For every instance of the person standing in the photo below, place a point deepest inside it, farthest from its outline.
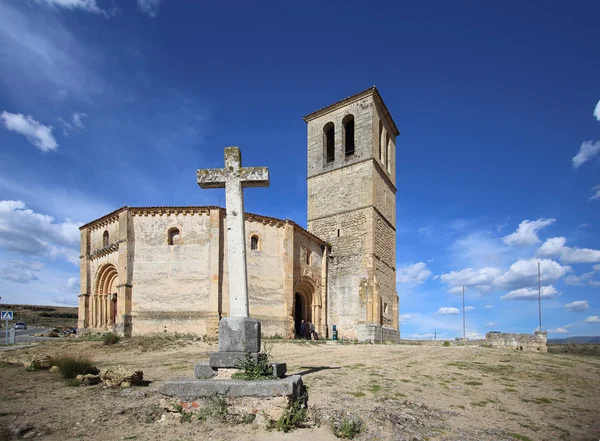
(302, 329)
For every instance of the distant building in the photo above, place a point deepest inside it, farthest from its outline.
(148, 270)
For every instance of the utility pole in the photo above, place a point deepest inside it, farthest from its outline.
(435, 335)
(464, 327)
(540, 295)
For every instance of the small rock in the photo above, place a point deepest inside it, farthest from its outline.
(29, 435)
(54, 369)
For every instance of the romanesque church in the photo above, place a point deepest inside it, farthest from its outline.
(147, 270)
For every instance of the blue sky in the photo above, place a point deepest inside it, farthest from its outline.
(106, 103)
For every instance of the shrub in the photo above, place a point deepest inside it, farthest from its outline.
(293, 416)
(255, 369)
(446, 343)
(348, 428)
(70, 366)
(110, 339)
(53, 334)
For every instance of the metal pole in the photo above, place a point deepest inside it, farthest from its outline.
(464, 328)
(540, 295)
(6, 325)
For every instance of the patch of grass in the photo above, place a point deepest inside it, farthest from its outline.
(404, 380)
(347, 428)
(473, 383)
(562, 391)
(520, 437)
(178, 368)
(375, 388)
(398, 394)
(479, 403)
(355, 366)
(540, 400)
(70, 366)
(356, 394)
(248, 418)
(446, 343)
(509, 390)
(110, 339)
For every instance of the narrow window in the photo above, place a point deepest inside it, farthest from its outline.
(338, 232)
(386, 309)
(380, 140)
(329, 141)
(348, 124)
(307, 257)
(174, 237)
(105, 239)
(388, 153)
(387, 143)
(254, 243)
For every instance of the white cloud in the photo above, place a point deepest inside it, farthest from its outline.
(490, 324)
(578, 280)
(405, 317)
(597, 111)
(594, 283)
(558, 331)
(597, 194)
(578, 306)
(587, 151)
(479, 249)
(593, 319)
(596, 267)
(416, 273)
(469, 308)
(547, 292)
(149, 7)
(556, 247)
(526, 233)
(522, 273)
(84, 5)
(37, 134)
(19, 271)
(488, 306)
(24, 231)
(448, 311)
(75, 124)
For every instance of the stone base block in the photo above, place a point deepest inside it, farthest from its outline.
(189, 390)
(228, 359)
(239, 334)
(203, 371)
(279, 369)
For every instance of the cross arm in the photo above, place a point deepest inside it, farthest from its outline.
(211, 178)
(254, 176)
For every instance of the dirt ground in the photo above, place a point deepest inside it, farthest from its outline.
(398, 392)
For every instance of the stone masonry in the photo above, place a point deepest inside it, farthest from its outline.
(352, 206)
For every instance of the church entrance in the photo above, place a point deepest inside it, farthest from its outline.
(301, 312)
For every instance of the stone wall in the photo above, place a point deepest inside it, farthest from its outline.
(171, 282)
(538, 342)
(375, 333)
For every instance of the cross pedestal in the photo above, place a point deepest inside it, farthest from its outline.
(238, 332)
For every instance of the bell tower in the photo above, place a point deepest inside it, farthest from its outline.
(352, 205)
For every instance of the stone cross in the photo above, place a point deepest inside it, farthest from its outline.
(234, 178)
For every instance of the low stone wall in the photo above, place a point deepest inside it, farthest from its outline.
(537, 342)
(444, 342)
(377, 334)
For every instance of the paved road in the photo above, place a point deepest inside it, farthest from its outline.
(25, 335)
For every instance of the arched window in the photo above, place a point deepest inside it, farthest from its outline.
(254, 243)
(105, 239)
(308, 257)
(380, 140)
(329, 142)
(348, 124)
(173, 236)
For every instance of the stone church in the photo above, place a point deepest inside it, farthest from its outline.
(147, 270)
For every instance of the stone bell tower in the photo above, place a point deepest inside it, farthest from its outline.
(352, 205)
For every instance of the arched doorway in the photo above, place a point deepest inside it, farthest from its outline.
(307, 304)
(302, 311)
(103, 307)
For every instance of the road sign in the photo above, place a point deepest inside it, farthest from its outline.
(6, 315)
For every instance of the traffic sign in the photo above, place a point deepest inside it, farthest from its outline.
(6, 315)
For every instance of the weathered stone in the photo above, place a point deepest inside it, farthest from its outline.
(42, 362)
(115, 377)
(89, 379)
(54, 369)
(228, 359)
(190, 390)
(234, 178)
(239, 334)
(203, 371)
(279, 369)
(520, 342)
